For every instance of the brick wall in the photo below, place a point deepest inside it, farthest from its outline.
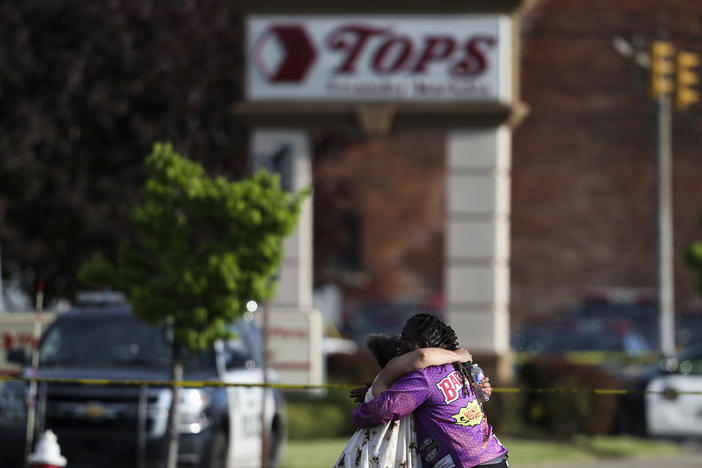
(583, 161)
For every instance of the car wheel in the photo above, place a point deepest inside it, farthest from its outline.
(217, 456)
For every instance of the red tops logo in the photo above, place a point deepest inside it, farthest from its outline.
(385, 51)
(298, 53)
(450, 387)
(396, 52)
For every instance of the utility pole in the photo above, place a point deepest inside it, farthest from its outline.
(265, 442)
(2, 293)
(662, 85)
(663, 70)
(32, 396)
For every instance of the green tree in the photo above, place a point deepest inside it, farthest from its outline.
(202, 247)
(693, 258)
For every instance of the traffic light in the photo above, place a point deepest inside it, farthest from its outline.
(661, 68)
(686, 78)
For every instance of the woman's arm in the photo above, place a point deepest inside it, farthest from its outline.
(415, 360)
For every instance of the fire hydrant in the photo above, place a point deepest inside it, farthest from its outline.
(47, 453)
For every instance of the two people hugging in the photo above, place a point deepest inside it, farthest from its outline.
(422, 409)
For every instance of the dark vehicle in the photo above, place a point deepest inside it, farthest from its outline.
(610, 347)
(125, 425)
(555, 341)
(642, 318)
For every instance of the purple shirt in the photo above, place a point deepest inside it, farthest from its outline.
(451, 426)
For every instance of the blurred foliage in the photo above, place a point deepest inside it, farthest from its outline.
(311, 417)
(693, 258)
(203, 247)
(85, 90)
(502, 411)
(575, 409)
(356, 368)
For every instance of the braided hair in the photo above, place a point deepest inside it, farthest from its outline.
(425, 330)
(428, 331)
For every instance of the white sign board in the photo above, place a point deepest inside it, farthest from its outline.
(295, 345)
(379, 58)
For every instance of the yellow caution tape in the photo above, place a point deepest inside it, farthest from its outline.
(213, 383)
(171, 383)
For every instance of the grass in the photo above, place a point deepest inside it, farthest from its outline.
(544, 452)
(322, 453)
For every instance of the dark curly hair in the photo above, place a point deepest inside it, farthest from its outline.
(428, 331)
(383, 347)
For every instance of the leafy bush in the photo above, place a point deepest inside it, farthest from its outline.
(502, 411)
(355, 369)
(572, 406)
(311, 417)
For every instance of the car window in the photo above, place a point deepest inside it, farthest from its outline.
(103, 341)
(236, 355)
(112, 341)
(244, 350)
(253, 339)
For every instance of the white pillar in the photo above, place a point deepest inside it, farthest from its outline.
(476, 267)
(288, 152)
(295, 328)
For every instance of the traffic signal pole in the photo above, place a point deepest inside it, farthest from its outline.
(664, 224)
(662, 87)
(670, 73)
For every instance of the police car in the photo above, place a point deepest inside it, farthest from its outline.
(673, 400)
(126, 425)
(664, 399)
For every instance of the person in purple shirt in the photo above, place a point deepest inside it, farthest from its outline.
(452, 429)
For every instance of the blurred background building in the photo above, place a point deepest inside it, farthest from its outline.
(86, 89)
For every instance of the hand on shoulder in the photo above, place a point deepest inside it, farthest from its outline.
(463, 355)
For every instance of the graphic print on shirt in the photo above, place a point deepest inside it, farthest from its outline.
(450, 387)
(429, 449)
(470, 415)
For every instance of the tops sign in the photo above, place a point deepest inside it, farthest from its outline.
(379, 58)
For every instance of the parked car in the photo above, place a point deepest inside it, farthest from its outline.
(670, 412)
(641, 317)
(657, 405)
(603, 345)
(556, 341)
(125, 425)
